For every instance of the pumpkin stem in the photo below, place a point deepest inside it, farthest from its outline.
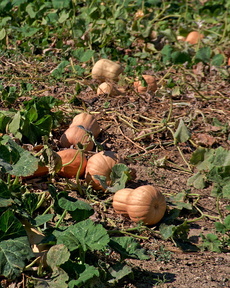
(78, 173)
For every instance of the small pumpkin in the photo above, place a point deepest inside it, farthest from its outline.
(107, 88)
(71, 170)
(151, 84)
(194, 37)
(75, 134)
(100, 164)
(180, 38)
(106, 69)
(145, 203)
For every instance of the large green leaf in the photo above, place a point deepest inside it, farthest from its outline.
(13, 255)
(203, 54)
(86, 272)
(26, 165)
(78, 209)
(85, 235)
(10, 226)
(119, 271)
(127, 247)
(57, 255)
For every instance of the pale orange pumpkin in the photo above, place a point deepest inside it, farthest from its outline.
(151, 84)
(88, 121)
(100, 164)
(75, 134)
(194, 37)
(120, 201)
(145, 203)
(105, 69)
(107, 88)
(71, 170)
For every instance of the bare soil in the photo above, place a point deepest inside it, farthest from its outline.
(169, 265)
(127, 117)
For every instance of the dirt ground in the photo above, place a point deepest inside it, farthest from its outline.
(124, 119)
(169, 266)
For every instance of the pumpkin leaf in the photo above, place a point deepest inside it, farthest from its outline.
(13, 255)
(57, 255)
(127, 247)
(85, 272)
(10, 226)
(79, 210)
(119, 271)
(85, 235)
(120, 175)
(182, 133)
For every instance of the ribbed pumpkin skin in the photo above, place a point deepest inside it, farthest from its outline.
(71, 170)
(88, 121)
(106, 69)
(75, 134)
(100, 164)
(120, 201)
(146, 204)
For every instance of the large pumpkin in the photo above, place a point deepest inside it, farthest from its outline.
(71, 170)
(75, 134)
(105, 69)
(100, 164)
(145, 203)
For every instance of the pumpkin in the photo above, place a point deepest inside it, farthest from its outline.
(71, 170)
(151, 84)
(194, 37)
(41, 171)
(120, 200)
(106, 69)
(75, 134)
(107, 88)
(180, 38)
(88, 121)
(145, 203)
(100, 164)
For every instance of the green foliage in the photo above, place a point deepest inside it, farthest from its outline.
(127, 247)
(72, 35)
(213, 167)
(15, 160)
(35, 120)
(119, 176)
(13, 259)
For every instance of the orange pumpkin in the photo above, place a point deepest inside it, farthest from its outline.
(41, 171)
(194, 37)
(71, 170)
(105, 69)
(145, 203)
(100, 164)
(151, 84)
(120, 201)
(75, 134)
